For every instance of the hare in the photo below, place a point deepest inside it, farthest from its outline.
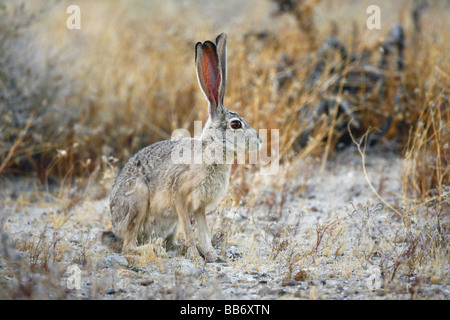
(155, 192)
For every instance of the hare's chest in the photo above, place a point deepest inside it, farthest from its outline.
(211, 188)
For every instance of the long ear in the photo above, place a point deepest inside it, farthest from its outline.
(221, 43)
(208, 73)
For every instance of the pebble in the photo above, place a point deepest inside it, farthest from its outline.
(111, 291)
(190, 270)
(114, 260)
(289, 283)
(233, 253)
(146, 283)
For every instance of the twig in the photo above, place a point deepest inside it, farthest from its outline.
(16, 144)
(362, 152)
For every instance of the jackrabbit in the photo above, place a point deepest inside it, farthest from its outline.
(156, 190)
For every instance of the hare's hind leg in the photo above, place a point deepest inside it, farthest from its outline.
(130, 213)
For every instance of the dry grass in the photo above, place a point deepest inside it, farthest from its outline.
(76, 104)
(119, 84)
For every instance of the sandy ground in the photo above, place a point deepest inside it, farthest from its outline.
(301, 234)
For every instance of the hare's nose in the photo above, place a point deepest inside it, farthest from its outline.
(261, 140)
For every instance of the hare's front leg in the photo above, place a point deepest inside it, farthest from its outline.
(185, 221)
(205, 246)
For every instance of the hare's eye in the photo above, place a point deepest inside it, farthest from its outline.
(236, 124)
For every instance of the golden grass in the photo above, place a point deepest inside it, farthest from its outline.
(88, 99)
(129, 80)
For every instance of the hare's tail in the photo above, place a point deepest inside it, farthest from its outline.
(112, 241)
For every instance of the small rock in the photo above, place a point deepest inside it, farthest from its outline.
(300, 276)
(233, 253)
(134, 268)
(223, 277)
(190, 270)
(114, 260)
(265, 291)
(289, 283)
(111, 291)
(146, 283)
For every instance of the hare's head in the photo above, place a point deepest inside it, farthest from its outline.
(231, 129)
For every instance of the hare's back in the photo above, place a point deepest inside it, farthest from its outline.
(149, 164)
(151, 158)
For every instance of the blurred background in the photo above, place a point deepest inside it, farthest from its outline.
(73, 101)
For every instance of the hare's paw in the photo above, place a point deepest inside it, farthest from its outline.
(193, 255)
(211, 256)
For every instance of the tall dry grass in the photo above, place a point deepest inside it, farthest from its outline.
(76, 103)
(72, 98)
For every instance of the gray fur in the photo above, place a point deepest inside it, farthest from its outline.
(152, 194)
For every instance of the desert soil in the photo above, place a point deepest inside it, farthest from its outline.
(306, 233)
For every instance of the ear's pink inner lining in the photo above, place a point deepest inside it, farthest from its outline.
(211, 74)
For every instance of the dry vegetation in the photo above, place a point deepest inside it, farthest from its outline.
(76, 104)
